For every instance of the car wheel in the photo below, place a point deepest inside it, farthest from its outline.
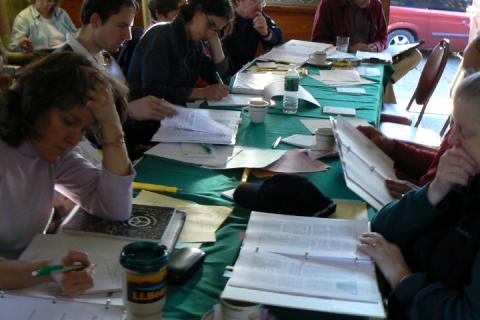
(401, 36)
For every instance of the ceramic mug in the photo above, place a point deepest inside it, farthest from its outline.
(324, 139)
(256, 110)
(240, 310)
(318, 57)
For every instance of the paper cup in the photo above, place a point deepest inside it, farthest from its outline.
(240, 310)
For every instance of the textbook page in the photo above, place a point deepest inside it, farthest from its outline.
(276, 89)
(199, 126)
(104, 253)
(29, 308)
(315, 237)
(199, 120)
(306, 259)
(306, 277)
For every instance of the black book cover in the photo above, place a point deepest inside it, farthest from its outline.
(154, 223)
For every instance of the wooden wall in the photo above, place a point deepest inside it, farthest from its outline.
(73, 8)
(295, 20)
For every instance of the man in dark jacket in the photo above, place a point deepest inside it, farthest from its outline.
(364, 22)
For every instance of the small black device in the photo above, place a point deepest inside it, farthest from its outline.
(183, 263)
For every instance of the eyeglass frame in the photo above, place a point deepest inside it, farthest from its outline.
(212, 26)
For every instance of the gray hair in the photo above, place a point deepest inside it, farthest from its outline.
(468, 91)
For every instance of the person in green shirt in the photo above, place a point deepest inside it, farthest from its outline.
(427, 244)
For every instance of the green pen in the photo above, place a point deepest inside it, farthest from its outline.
(207, 148)
(218, 78)
(56, 268)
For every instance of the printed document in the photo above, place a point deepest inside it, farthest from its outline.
(308, 258)
(199, 126)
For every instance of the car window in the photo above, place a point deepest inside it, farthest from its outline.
(451, 5)
(448, 5)
(412, 3)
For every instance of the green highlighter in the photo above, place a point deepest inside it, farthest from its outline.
(218, 78)
(56, 268)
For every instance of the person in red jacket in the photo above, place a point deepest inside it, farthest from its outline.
(364, 22)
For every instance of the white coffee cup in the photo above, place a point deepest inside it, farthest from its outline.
(318, 57)
(324, 139)
(240, 310)
(256, 110)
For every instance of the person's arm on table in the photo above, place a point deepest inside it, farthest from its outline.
(17, 274)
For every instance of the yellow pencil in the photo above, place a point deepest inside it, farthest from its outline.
(246, 173)
(153, 187)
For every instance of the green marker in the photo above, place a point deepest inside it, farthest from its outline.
(56, 268)
(218, 78)
(207, 148)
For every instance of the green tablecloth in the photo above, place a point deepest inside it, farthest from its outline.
(204, 186)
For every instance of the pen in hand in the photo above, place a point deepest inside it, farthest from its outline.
(57, 268)
(218, 78)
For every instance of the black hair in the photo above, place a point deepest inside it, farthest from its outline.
(164, 7)
(219, 8)
(60, 80)
(104, 8)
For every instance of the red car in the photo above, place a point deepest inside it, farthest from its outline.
(430, 21)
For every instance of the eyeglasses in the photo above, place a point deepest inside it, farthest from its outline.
(262, 3)
(212, 26)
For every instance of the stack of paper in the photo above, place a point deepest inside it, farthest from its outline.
(220, 157)
(337, 78)
(199, 126)
(294, 51)
(202, 221)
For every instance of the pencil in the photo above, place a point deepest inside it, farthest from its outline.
(246, 173)
(153, 187)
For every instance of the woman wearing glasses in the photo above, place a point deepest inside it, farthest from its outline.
(170, 59)
(252, 26)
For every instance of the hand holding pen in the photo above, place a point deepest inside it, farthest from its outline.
(74, 276)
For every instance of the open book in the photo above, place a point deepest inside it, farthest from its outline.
(365, 166)
(389, 55)
(199, 126)
(268, 85)
(306, 263)
(146, 223)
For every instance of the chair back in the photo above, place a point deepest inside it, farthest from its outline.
(431, 74)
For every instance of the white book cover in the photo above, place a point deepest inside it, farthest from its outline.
(365, 166)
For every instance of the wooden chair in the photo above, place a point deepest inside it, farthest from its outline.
(431, 73)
